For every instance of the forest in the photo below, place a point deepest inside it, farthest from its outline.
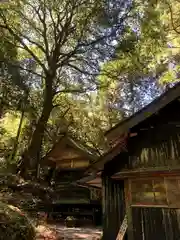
(78, 68)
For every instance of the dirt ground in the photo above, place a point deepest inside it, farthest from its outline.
(55, 232)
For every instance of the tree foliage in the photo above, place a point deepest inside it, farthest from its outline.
(81, 66)
(61, 43)
(146, 56)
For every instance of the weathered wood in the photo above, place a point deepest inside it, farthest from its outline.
(128, 209)
(113, 207)
(67, 153)
(157, 148)
(122, 229)
(156, 223)
(154, 150)
(148, 172)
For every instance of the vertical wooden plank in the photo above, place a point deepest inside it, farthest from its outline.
(106, 203)
(149, 223)
(109, 214)
(108, 209)
(118, 201)
(113, 209)
(137, 223)
(103, 205)
(116, 206)
(127, 190)
(112, 213)
(174, 223)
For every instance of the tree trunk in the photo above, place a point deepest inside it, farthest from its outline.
(1, 109)
(31, 157)
(14, 152)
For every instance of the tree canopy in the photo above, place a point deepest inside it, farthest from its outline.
(80, 67)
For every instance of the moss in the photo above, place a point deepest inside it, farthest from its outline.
(14, 225)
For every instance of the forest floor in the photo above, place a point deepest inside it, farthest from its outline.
(25, 196)
(58, 232)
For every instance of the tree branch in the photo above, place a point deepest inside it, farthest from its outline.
(54, 25)
(30, 22)
(81, 90)
(63, 34)
(82, 71)
(113, 32)
(20, 67)
(71, 91)
(44, 31)
(31, 41)
(49, 135)
(18, 38)
(172, 20)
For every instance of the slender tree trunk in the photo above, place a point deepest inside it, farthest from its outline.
(1, 109)
(30, 158)
(17, 136)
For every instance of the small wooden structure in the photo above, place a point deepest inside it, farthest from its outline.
(70, 154)
(68, 160)
(141, 173)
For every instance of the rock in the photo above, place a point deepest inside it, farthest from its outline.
(14, 225)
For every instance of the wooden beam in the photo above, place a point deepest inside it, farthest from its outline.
(64, 159)
(95, 185)
(157, 171)
(128, 209)
(95, 182)
(88, 186)
(122, 229)
(99, 165)
(133, 134)
(87, 178)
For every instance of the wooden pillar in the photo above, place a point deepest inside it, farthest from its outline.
(128, 211)
(104, 207)
(113, 206)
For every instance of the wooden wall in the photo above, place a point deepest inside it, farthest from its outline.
(156, 144)
(65, 190)
(153, 148)
(113, 207)
(156, 223)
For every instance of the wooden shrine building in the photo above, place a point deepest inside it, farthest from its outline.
(67, 161)
(140, 174)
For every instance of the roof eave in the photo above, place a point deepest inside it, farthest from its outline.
(144, 113)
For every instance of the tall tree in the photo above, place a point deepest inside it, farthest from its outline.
(63, 40)
(133, 71)
(150, 49)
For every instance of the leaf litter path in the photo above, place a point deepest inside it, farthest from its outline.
(56, 232)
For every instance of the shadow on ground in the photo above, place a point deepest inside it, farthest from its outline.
(80, 233)
(62, 233)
